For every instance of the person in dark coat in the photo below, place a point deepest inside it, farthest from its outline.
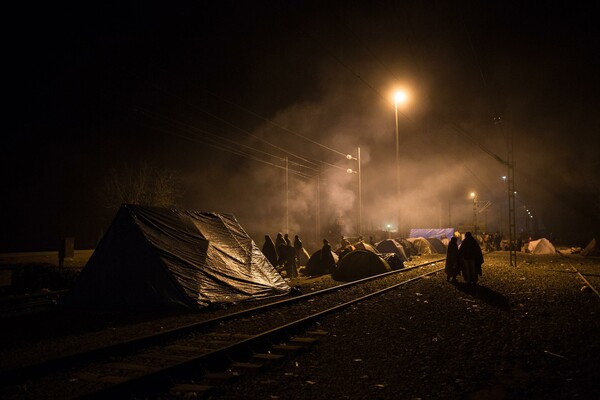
(297, 248)
(452, 267)
(288, 257)
(327, 259)
(471, 258)
(269, 250)
(280, 247)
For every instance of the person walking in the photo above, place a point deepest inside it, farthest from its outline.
(452, 267)
(471, 257)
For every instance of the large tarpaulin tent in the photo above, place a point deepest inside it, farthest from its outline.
(427, 233)
(157, 257)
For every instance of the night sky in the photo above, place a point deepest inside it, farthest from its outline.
(220, 92)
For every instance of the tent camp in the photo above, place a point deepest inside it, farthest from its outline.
(359, 264)
(592, 249)
(541, 246)
(157, 257)
(422, 246)
(392, 246)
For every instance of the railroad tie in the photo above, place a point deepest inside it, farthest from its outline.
(218, 378)
(247, 367)
(287, 347)
(130, 367)
(88, 376)
(303, 340)
(190, 388)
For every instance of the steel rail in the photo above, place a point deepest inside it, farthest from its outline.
(587, 282)
(162, 380)
(38, 369)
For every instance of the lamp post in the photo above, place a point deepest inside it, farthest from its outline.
(351, 171)
(400, 97)
(474, 196)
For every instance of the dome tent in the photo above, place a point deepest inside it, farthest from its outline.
(392, 246)
(437, 245)
(359, 264)
(365, 246)
(422, 246)
(541, 246)
(316, 266)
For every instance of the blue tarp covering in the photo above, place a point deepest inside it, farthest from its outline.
(439, 233)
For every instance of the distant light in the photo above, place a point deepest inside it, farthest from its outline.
(473, 194)
(504, 177)
(389, 226)
(350, 170)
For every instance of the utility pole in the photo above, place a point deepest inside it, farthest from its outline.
(510, 164)
(287, 197)
(318, 209)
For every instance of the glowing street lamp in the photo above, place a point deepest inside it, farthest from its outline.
(400, 97)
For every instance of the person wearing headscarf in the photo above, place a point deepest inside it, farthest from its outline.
(280, 247)
(327, 259)
(269, 250)
(297, 248)
(452, 267)
(471, 257)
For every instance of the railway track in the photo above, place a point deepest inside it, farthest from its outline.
(197, 358)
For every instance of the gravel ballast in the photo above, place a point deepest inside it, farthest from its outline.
(527, 332)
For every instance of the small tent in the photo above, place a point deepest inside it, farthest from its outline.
(317, 265)
(157, 257)
(541, 246)
(392, 246)
(437, 245)
(422, 246)
(303, 257)
(592, 249)
(359, 264)
(365, 246)
(409, 249)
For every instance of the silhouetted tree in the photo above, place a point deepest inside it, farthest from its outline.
(142, 185)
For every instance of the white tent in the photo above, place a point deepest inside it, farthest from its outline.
(541, 246)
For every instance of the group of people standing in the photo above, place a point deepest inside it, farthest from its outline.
(284, 254)
(465, 260)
